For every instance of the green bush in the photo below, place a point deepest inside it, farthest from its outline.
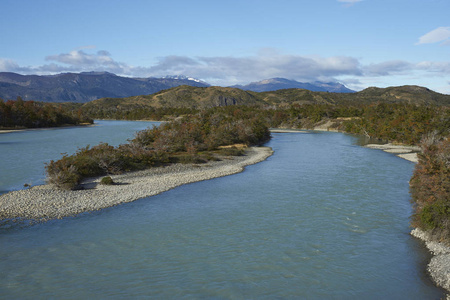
(107, 180)
(232, 151)
(66, 178)
(186, 158)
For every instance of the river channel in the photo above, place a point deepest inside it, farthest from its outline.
(323, 218)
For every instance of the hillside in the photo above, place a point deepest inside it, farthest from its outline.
(401, 94)
(83, 87)
(180, 97)
(408, 93)
(205, 97)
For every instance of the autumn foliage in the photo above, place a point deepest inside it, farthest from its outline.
(184, 140)
(31, 114)
(430, 187)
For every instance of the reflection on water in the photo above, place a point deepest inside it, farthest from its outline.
(320, 219)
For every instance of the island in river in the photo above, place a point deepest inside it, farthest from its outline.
(46, 202)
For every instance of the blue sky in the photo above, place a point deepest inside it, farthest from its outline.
(360, 43)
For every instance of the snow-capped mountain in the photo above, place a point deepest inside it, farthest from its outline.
(183, 77)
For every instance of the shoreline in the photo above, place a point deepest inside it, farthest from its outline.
(45, 202)
(439, 266)
(45, 128)
(403, 151)
(406, 152)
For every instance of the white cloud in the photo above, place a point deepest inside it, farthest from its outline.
(80, 58)
(400, 67)
(437, 67)
(8, 65)
(227, 70)
(218, 70)
(387, 68)
(246, 69)
(441, 34)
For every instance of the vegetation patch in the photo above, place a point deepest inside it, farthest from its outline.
(31, 114)
(107, 180)
(430, 188)
(184, 140)
(231, 151)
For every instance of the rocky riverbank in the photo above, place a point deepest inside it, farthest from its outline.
(405, 152)
(439, 266)
(45, 202)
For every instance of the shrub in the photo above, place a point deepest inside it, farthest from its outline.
(107, 180)
(231, 151)
(430, 187)
(185, 158)
(66, 178)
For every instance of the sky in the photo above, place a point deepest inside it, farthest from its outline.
(359, 43)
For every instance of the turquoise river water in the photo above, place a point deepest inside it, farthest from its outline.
(323, 218)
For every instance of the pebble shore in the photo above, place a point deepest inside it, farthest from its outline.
(405, 152)
(45, 202)
(439, 266)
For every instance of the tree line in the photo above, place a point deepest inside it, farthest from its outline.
(395, 122)
(31, 114)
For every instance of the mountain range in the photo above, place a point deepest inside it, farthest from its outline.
(88, 86)
(84, 87)
(275, 84)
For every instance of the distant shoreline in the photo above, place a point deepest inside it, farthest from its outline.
(45, 202)
(44, 128)
(403, 151)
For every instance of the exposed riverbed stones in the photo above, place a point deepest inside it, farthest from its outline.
(45, 202)
(439, 266)
(405, 152)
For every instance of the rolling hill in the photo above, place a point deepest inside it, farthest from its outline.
(206, 97)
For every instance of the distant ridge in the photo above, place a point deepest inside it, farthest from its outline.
(214, 96)
(183, 91)
(274, 84)
(84, 87)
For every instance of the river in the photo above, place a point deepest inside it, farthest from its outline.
(323, 218)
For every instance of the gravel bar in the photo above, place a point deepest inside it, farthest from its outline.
(439, 266)
(403, 151)
(45, 202)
